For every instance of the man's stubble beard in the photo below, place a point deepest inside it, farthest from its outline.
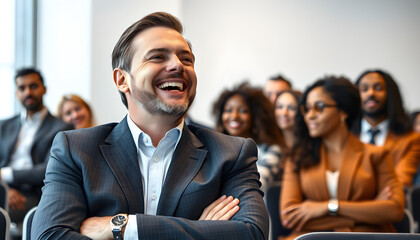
(154, 105)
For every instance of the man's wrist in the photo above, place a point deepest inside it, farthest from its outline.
(118, 224)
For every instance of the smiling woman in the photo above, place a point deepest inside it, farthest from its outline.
(334, 182)
(246, 112)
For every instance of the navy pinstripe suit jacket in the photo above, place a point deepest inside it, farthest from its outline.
(95, 172)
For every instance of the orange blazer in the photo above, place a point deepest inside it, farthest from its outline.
(364, 171)
(405, 152)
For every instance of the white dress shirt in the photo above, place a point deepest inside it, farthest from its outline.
(380, 138)
(154, 164)
(21, 157)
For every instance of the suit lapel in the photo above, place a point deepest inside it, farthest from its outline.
(45, 128)
(350, 163)
(320, 174)
(185, 164)
(12, 131)
(121, 155)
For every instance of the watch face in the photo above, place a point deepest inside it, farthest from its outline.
(119, 220)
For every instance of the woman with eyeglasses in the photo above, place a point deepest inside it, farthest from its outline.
(334, 182)
(246, 112)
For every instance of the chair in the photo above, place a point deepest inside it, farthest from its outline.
(414, 204)
(4, 189)
(407, 224)
(357, 236)
(4, 225)
(273, 202)
(27, 224)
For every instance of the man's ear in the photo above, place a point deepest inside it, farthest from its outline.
(121, 79)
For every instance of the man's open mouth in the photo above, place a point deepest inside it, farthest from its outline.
(172, 86)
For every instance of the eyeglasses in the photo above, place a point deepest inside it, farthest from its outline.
(318, 107)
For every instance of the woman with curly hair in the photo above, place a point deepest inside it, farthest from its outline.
(334, 182)
(246, 112)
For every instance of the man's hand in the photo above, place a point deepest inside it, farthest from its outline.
(297, 215)
(16, 199)
(221, 209)
(97, 228)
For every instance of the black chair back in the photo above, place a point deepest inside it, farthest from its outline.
(407, 224)
(357, 236)
(4, 225)
(27, 224)
(4, 189)
(414, 200)
(273, 206)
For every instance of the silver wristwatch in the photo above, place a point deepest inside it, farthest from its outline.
(118, 223)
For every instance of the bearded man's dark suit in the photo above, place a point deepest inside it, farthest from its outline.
(95, 172)
(29, 179)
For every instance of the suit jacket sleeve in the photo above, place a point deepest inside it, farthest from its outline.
(251, 222)
(378, 211)
(63, 205)
(408, 158)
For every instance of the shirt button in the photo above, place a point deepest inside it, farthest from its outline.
(154, 196)
(156, 159)
(145, 140)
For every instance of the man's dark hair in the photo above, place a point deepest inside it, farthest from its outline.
(280, 77)
(26, 71)
(123, 51)
(399, 121)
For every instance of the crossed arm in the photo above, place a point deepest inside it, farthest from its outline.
(221, 209)
(299, 214)
(64, 206)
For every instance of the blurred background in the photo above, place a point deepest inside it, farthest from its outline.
(71, 42)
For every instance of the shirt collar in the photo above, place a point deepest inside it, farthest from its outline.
(383, 126)
(36, 117)
(136, 131)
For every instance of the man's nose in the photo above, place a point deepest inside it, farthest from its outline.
(175, 64)
(371, 91)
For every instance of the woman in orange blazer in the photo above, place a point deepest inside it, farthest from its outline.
(334, 182)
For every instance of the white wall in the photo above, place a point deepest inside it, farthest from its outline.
(64, 48)
(238, 39)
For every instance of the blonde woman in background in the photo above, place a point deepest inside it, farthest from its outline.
(73, 109)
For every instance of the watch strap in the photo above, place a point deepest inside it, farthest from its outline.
(117, 234)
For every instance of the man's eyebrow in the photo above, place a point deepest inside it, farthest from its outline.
(166, 50)
(157, 50)
(187, 52)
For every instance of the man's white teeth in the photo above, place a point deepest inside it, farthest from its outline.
(178, 85)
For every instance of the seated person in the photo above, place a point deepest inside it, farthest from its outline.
(333, 181)
(25, 141)
(74, 110)
(246, 112)
(385, 123)
(286, 108)
(150, 176)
